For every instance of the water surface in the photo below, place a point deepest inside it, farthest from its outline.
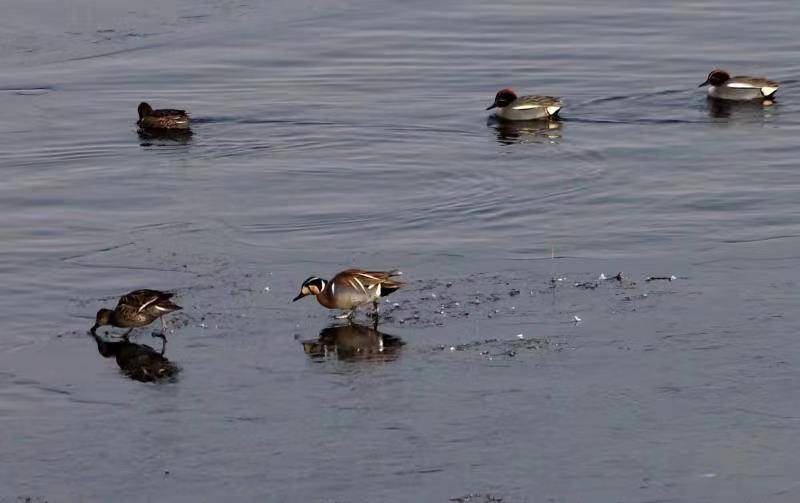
(330, 135)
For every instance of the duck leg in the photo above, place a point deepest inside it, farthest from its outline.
(163, 334)
(375, 313)
(163, 342)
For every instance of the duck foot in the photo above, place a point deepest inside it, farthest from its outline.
(163, 338)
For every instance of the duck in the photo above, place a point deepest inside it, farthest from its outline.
(351, 288)
(525, 108)
(137, 309)
(162, 119)
(740, 88)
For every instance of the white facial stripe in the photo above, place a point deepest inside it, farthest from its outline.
(162, 308)
(333, 288)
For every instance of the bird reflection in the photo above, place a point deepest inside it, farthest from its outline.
(140, 362)
(164, 137)
(354, 342)
(510, 132)
(740, 110)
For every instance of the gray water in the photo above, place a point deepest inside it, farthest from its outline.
(337, 134)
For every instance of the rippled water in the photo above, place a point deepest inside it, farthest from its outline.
(328, 135)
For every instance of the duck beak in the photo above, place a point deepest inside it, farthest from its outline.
(492, 106)
(298, 297)
(703, 84)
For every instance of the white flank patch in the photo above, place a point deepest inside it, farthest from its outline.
(740, 85)
(526, 107)
(766, 91)
(553, 110)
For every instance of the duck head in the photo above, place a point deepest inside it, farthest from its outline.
(311, 286)
(503, 98)
(717, 77)
(144, 110)
(104, 317)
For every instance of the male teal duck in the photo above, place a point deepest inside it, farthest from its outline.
(351, 288)
(740, 88)
(137, 309)
(525, 108)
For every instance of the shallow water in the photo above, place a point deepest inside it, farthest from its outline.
(353, 134)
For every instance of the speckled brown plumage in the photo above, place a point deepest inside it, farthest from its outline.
(137, 309)
(162, 119)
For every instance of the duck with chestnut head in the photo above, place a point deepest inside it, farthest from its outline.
(525, 108)
(740, 88)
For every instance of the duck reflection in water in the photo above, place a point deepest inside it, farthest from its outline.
(164, 137)
(354, 342)
(140, 362)
(740, 110)
(535, 131)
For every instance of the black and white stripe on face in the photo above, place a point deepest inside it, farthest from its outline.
(313, 285)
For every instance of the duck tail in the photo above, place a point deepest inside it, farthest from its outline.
(168, 305)
(388, 287)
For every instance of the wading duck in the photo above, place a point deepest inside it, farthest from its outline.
(351, 288)
(137, 309)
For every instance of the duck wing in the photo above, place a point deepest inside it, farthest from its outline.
(528, 102)
(745, 82)
(168, 112)
(140, 299)
(362, 280)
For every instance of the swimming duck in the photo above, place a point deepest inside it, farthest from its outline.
(351, 288)
(162, 119)
(741, 88)
(137, 309)
(524, 108)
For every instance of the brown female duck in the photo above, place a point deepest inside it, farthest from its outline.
(163, 119)
(137, 309)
